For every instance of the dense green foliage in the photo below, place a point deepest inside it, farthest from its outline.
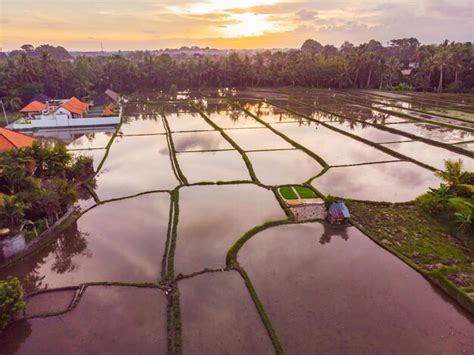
(452, 203)
(39, 183)
(305, 192)
(47, 69)
(11, 300)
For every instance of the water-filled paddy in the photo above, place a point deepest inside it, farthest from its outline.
(107, 320)
(435, 133)
(257, 139)
(391, 182)
(431, 155)
(117, 241)
(135, 165)
(370, 133)
(333, 147)
(143, 125)
(234, 119)
(332, 290)
(218, 316)
(325, 289)
(191, 141)
(212, 218)
(284, 167)
(94, 140)
(187, 122)
(213, 166)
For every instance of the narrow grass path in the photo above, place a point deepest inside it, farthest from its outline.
(295, 144)
(360, 139)
(246, 159)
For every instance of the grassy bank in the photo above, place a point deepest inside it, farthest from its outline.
(422, 243)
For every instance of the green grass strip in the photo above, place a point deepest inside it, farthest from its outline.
(174, 236)
(109, 144)
(288, 193)
(383, 128)
(360, 139)
(262, 313)
(246, 159)
(174, 160)
(305, 192)
(295, 144)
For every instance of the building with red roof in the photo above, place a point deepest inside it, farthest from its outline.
(34, 107)
(14, 140)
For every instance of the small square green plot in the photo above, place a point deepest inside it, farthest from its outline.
(288, 193)
(305, 192)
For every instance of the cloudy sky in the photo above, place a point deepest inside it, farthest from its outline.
(154, 24)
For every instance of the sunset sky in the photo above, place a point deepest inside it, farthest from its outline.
(155, 24)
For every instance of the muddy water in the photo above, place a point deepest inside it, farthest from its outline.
(370, 133)
(391, 182)
(219, 317)
(332, 146)
(108, 320)
(257, 139)
(435, 133)
(213, 166)
(134, 165)
(332, 290)
(199, 141)
(117, 241)
(212, 218)
(187, 122)
(431, 155)
(284, 167)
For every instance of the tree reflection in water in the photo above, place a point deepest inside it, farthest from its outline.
(59, 254)
(333, 230)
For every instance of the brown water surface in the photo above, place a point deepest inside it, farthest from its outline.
(108, 320)
(219, 317)
(332, 290)
(212, 218)
(117, 241)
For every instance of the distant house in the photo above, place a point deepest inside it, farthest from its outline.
(414, 65)
(105, 98)
(72, 108)
(14, 140)
(34, 108)
(406, 72)
(338, 213)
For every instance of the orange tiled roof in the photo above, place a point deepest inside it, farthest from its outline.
(75, 105)
(14, 140)
(107, 111)
(34, 106)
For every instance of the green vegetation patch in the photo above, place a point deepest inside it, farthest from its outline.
(412, 233)
(422, 242)
(305, 192)
(288, 193)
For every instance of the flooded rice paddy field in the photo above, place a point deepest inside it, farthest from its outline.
(148, 258)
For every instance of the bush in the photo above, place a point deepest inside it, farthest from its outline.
(463, 190)
(81, 169)
(329, 200)
(433, 205)
(11, 300)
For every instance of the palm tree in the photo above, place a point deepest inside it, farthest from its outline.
(393, 68)
(12, 100)
(452, 173)
(442, 59)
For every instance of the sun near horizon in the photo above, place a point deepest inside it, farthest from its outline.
(147, 24)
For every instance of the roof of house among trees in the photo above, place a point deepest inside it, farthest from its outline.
(14, 140)
(42, 98)
(34, 106)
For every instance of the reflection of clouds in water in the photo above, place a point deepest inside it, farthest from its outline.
(198, 142)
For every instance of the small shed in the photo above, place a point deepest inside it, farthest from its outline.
(338, 213)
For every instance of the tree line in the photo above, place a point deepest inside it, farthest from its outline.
(401, 64)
